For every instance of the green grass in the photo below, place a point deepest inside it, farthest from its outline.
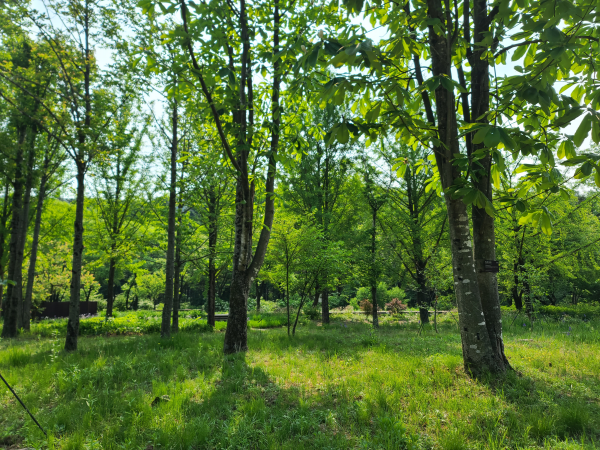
(330, 387)
(145, 322)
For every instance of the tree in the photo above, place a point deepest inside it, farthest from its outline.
(258, 35)
(119, 179)
(414, 220)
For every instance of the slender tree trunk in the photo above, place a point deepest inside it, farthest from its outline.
(177, 285)
(23, 315)
(258, 294)
(213, 231)
(168, 306)
(422, 294)
(287, 294)
(111, 285)
(3, 234)
(34, 247)
(374, 268)
(325, 306)
(317, 295)
(75, 289)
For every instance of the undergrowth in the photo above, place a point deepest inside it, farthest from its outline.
(339, 386)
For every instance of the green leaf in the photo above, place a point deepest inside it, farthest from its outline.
(568, 117)
(596, 130)
(470, 196)
(495, 176)
(519, 52)
(492, 138)
(546, 224)
(343, 135)
(583, 130)
(597, 176)
(521, 206)
(480, 135)
(311, 61)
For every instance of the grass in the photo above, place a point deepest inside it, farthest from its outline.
(145, 322)
(330, 387)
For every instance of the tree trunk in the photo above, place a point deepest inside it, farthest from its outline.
(325, 306)
(374, 270)
(165, 330)
(484, 236)
(24, 315)
(177, 286)
(4, 220)
(317, 295)
(375, 312)
(75, 289)
(258, 294)
(111, 286)
(34, 247)
(213, 231)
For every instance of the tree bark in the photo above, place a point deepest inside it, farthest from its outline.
(75, 289)
(374, 268)
(484, 236)
(165, 331)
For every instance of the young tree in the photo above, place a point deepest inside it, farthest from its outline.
(119, 179)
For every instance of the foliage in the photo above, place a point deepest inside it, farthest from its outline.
(395, 306)
(366, 306)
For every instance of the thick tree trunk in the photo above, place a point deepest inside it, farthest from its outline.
(75, 289)
(165, 330)
(34, 249)
(484, 236)
(111, 287)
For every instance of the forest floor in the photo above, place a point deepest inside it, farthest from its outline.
(339, 386)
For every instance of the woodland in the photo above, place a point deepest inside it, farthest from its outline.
(305, 224)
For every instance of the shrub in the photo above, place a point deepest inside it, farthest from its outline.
(395, 306)
(366, 306)
(312, 312)
(354, 304)
(145, 304)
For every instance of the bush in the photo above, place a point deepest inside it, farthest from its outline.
(395, 306)
(145, 305)
(584, 312)
(366, 306)
(312, 312)
(354, 304)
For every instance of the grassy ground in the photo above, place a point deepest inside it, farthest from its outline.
(336, 387)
